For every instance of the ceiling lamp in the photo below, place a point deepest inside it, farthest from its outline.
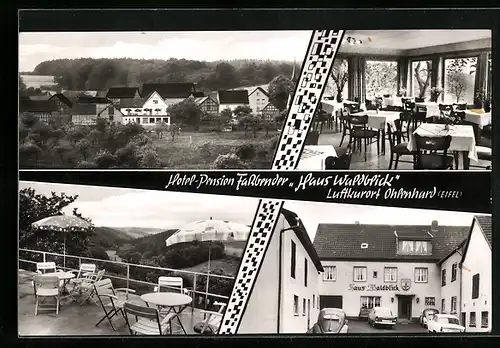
(353, 41)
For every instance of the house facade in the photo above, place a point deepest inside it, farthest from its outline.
(258, 99)
(451, 281)
(285, 297)
(396, 267)
(207, 105)
(45, 111)
(232, 99)
(172, 93)
(270, 112)
(62, 102)
(476, 265)
(145, 111)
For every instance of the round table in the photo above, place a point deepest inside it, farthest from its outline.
(173, 301)
(64, 277)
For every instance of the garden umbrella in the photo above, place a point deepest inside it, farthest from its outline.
(64, 224)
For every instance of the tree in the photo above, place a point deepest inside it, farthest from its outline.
(381, 77)
(105, 159)
(33, 207)
(22, 86)
(422, 73)
(246, 152)
(340, 75)
(456, 78)
(30, 150)
(279, 91)
(225, 76)
(84, 146)
(226, 117)
(60, 150)
(228, 161)
(186, 113)
(250, 122)
(242, 110)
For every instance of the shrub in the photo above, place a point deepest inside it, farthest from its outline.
(246, 152)
(228, 161)
(105, 159)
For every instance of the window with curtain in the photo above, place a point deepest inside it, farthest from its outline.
(421, 78)
(390, 274)
(459, 80)
(330, 273)
(381, 78)
(360, 274)
(421, 274)
(368, 302)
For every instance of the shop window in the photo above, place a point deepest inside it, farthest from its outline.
(472, 319)
(359, 274)
(430, 301)
(295, 305)
(368, 302)
(475, 286)
(484, 320)
(330, 273)
(144, 120)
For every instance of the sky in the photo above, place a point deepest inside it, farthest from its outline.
(114, 207)
(35, 48)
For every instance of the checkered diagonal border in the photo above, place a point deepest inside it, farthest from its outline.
(321, 52)
(313, 78)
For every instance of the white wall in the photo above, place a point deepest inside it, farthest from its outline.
(230, 106)
(172, 101)
(258, 100)
(477, 260)
(406, 270)
(451, 288)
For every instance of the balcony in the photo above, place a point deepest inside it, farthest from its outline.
(75, 319)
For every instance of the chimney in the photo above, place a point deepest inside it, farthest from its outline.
(434, 226)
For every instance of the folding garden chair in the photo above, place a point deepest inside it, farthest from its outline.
(86, 287)
(210, 325)
(110, 302)
(46, 287)
(147, 320)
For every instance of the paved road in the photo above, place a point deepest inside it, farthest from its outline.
(356, 326)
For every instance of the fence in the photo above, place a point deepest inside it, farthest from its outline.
(206, 288)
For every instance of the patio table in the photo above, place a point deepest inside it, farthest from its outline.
(378, 120)
(313, 157)
(65, 277)
(482, 120)
(172, 301)
(462, 139)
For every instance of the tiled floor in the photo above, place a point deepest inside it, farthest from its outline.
(74, 319)
(374, 162)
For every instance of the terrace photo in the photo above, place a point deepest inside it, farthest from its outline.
(183, 100)
(393, 96)
(92, 258)
(347, 269)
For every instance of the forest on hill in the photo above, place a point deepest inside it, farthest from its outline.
(100, 74)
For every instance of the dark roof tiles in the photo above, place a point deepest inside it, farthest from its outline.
(122, 92)
(28, 105)
(233, 97)
(485, 224)
(168, 90)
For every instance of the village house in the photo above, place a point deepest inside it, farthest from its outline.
(258, 99)
(396, 267)
(476, 267)
(145, 111)
(232, 99)
(269, 112)
(285, 297)
(116, 94)
(172, 93)
(208, 105)
(63, 103)
(44, 110)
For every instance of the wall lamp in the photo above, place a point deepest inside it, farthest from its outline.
(392, 299)
(418, 299)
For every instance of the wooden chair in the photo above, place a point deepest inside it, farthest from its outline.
(405, 120)
(147, 320)
(46, 287)
(110, 302)
(46, 267)
(344, 125)
(361, 133)
(171, 283)
(419, 116)
(438, 120)
(211, 323)
(445, 110)
(85, 271)
(432, 153)
(342, 161)
(397, 148)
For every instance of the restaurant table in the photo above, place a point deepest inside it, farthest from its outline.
(431, 107)
(313, 157)
(392, 101)
(481, 119)
(462, 139)
(174, 302)
(378, 120)
(64, 277)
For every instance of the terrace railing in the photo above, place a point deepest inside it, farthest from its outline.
(206, 288)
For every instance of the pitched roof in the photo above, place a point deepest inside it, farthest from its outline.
(131, 103)
(270, 106)
(28, 105)
(260, 89)
(122, 92)
(198, 94)
(302, 235)
(102, 93)
(84, 109)
(63, 98)
(343, 241)
(74, 93)
(485, 224)
(454, 250)
(40, 97)
(169, 90)
(233, 97)
(84, 99)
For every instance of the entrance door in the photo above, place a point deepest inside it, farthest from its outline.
(462, 319)
(138, 120)
(330, 302)
(308, 314)
(404, 307)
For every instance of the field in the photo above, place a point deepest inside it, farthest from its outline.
(193, 150)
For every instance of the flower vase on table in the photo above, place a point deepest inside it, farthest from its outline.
(435, 93)
(339, 97)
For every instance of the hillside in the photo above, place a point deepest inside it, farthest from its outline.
(138, 232)
(108, 237)
(100, 74)
(228, 264)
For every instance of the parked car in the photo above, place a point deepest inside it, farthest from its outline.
(427, 313)
(380, 316)
(330, 321)
(445, 323)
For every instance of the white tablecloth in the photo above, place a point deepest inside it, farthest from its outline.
(432, 108)
(462, 137)
(313, 157)
(379, 120)
(332, 106)
(477, 118)
(393, 101)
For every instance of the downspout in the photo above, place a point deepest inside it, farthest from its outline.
(280, 266)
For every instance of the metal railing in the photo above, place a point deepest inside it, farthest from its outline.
(122, 271)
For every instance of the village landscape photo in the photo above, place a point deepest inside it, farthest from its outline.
(179, 251)
(182, 100)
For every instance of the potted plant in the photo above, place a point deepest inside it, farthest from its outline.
(478, 100)
(435, 93)
(340, 76)
(487, 105)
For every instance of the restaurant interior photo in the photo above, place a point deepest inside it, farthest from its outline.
(405, 99)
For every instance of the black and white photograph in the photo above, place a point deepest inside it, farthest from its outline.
(92, 258)
(393, 96)
(352, 269)
(181, 100)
